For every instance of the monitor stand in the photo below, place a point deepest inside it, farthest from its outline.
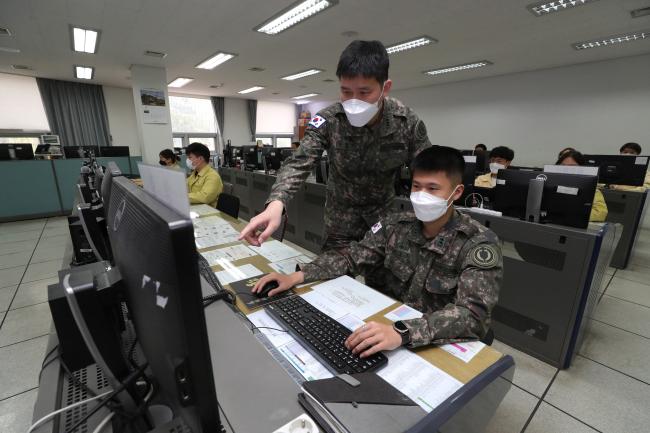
(534, 199)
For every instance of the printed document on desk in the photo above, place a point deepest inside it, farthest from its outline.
(424, 383)
(231, 273)
(202, 209)
(464, 351)
(308, 366)
(288, 266)
(210, 221)
(212, 236)
(235, 252)
(274, 251)
(356, 298)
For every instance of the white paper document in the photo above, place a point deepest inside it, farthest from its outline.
(275, 251)
(288, 266)
(423, 382)
(331, 306)
(203, 209)
(228, 254)
(350, 321)
(361, 300)
(236, 273)
(300, 359)
(214, 235)
(464, 351)
(403, 312)
(210, 221)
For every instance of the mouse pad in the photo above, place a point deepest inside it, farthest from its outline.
(243, 290)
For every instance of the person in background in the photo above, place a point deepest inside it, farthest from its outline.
(563, 151)
(437, 260)
(204, 183)
(632, 149)
(167, 158)
(295, 145)
(480, 148)
(599, 207)
(500, 159)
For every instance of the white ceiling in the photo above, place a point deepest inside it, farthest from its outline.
(501, 31)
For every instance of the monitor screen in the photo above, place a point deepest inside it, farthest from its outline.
(114, 151)
(620, 169)
(163, 295)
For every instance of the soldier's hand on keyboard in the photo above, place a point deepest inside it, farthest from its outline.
(285, 282)
(372, 338)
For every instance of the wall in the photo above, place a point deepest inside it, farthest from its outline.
(594, 107)
(315, 107)
(121, 118)
(21, 107)
(236, 127)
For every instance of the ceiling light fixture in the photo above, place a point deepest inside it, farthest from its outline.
(544, 8)
(612, 40)
(294, 14)
(180, 82)
(158, 54)
(302, 102)
(84, 72)
(215, 60)
(306, 95)
(456, 68)
(410, 44)
(302, 74)
(9, 50)
(251, 89)
(84, 40)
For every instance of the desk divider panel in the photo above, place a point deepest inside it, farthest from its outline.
(28, 189)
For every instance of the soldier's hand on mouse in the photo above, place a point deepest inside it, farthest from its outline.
(285, 282)
(262, 226)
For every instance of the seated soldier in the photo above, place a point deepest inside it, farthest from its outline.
(599, 207)
(436, 260)
(204, 183)
(500, 159)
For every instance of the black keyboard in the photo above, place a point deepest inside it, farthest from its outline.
(322, 336)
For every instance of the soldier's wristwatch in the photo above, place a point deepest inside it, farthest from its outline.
(403, 331)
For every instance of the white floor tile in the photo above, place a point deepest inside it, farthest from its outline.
(45, 253)
(22, 226)
(531, 374)
(6, 294)
(11, 276)
(16, 412)
(25, 323)
(640, 274)
(601, 397)
(513, 412)
(32, 293)
(19, 236)
(16, 247)
(548, 419)
(42, 270)
(21, 364)
(622, 314)
(12, 260)
(618, 349)
(51, 231)
(630, 291)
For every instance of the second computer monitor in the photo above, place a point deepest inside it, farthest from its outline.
(114, 151)
(620, 169)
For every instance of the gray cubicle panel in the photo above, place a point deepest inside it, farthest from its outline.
(551, 279)
(628, 209)
(28, 190)
(133, 162)
(123, 163)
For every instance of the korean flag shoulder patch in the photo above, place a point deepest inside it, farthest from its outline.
(317, 121)
(376, 228)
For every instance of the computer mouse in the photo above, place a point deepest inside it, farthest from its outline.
(264, 293)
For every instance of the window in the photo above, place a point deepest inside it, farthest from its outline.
(192, 115)
(283, 142)
(208, 141)
(178, 142)
(275, 118)
(33, 140)
(268, 141)
(21, 107)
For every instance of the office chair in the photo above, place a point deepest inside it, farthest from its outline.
(228, 188)
(228, 204)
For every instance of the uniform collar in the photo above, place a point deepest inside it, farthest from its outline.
(203, 171)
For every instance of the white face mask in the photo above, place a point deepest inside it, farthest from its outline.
(428, 207)
(360, 112)
(189, 164)
(495, 167)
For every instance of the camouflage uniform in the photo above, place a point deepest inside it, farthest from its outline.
(363, 165)
(453, 278)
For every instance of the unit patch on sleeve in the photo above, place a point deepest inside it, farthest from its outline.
(484, 256)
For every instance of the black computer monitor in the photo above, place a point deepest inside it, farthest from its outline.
(482, 160)
(80, 151)
(16, 151)
(114, 151)
(620, 169)
(163, 295)
(567, 198)
(111, 171)
(286, 153)
(469, 175)
(273, 159)
(523, 168)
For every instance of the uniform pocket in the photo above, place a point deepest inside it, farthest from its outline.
(401, 269)
(393, 155)
(441, 283)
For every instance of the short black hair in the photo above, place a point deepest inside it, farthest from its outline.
(502, 152)
(169, 154)
(634, 146)
(481, 146)
(368, 59)
(577, 157)
(198, 149)
(440, 159)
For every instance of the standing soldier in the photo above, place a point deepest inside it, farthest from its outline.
(368, 138)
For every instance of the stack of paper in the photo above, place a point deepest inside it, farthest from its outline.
(288, 266)
(275, 251)
(228, 254)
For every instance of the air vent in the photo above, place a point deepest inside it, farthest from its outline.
(257, 69)
(640, 12)
(4, 32)
(216, 86)
(328, 80)
(21, 67)
(157, 54)
(275, 93)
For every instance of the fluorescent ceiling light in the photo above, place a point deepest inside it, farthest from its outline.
(458, 68)
(302, 74)
(546, 7)
(302, 102)
(215, 60)
(180, 82)
(84, 40)
(612, 40)
(251, 89)
(306, 95)
(84, 72)
(413, 43)
(9, 50)
(294, 14)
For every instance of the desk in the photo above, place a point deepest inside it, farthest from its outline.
(628, 209)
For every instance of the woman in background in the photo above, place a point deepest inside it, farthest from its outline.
(169, 159)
